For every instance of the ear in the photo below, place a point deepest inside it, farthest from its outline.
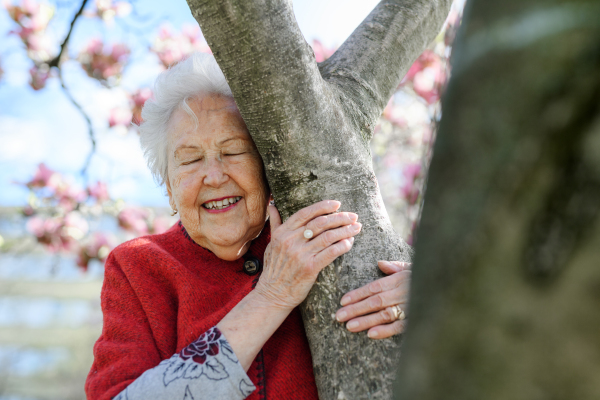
(169, 192)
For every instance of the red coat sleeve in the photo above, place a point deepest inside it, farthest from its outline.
(126, 347)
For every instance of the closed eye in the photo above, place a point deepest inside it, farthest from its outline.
(190, 162)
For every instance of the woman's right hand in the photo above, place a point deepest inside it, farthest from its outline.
(292, 262)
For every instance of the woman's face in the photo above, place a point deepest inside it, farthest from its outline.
(215, 177)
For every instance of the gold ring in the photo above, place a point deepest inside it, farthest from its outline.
(398, 313)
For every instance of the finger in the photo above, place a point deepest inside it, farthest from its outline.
(377, 286)
(332, 236)
(330, 221)
(328, 255)
(274, 217)
(302, 217)
(374, 303)
(391, 267)
(360, 324)
(387, 330)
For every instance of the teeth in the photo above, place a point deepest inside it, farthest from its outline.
(220, 204)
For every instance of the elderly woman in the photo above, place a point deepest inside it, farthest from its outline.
(209, 308)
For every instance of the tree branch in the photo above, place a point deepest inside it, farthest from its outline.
(249, 38)
(55, 62)
(374, 59)
(87, 120)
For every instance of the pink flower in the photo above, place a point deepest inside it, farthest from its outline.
(97, 247)
(107, 10)
(42, 177)
(134, 220)
(139, 98)
(173, 47)
(39, 76)
(119, 117)
(119, 51)
(102, 62)
(428, 76)
(99, 191)
(410, 190)
(322, 53)
(58, 233)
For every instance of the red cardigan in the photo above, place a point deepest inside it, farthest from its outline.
(161, 292)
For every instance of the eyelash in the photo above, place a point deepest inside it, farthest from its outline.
(226, 154)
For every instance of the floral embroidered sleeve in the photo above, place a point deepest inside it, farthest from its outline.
(206, 369)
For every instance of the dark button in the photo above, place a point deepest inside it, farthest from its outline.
(252, 266)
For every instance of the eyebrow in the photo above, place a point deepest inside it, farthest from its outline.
(186, 146)
(231, 139)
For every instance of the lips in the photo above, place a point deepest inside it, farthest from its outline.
(221, 203)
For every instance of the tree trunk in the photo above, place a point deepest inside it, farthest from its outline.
(506, 284)
(311, 124)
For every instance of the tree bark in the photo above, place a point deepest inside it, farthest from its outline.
(506, 281)
(312, 126)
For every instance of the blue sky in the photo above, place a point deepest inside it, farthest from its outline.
(44, 127)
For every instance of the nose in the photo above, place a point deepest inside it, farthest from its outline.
(215, 172)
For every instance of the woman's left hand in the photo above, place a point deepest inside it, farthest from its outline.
(371, 306)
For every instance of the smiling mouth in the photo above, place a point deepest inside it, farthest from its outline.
(221, 204)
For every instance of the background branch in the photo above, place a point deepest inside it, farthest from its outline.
(55, 62)
(87, 120)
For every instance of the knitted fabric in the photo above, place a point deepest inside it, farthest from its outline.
(161, 292)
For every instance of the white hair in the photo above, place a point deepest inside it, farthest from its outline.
(197, 75)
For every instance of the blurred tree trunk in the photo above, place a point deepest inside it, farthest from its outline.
(506, 283)
(312, 125)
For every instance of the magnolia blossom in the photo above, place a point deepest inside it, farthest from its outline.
(410, 190)
(172, 47)
(62, 192)
(39, 76)
(99, 192)
(321, 52)
(42, 177)
(103, 62)
(58, 233)
(134, 220)
(139, 98)
(119, 116)
(97, 247)
(107, 10)
(428, 75)
(32, 19)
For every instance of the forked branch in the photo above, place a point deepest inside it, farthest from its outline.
(374, 59)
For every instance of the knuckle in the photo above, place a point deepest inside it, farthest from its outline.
(327, 237)
(320, 222)
(387, 315)
(288, 242)
(375, 287)
(304, 213)
(376, 301)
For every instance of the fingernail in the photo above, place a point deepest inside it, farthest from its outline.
(356, 226)
(372, 334)
(345, 300)
(341, 315)
(352, 239)
(352, 324)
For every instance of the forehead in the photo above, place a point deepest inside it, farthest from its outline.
(218, 119)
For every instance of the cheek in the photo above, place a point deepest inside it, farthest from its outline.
(185, 187)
